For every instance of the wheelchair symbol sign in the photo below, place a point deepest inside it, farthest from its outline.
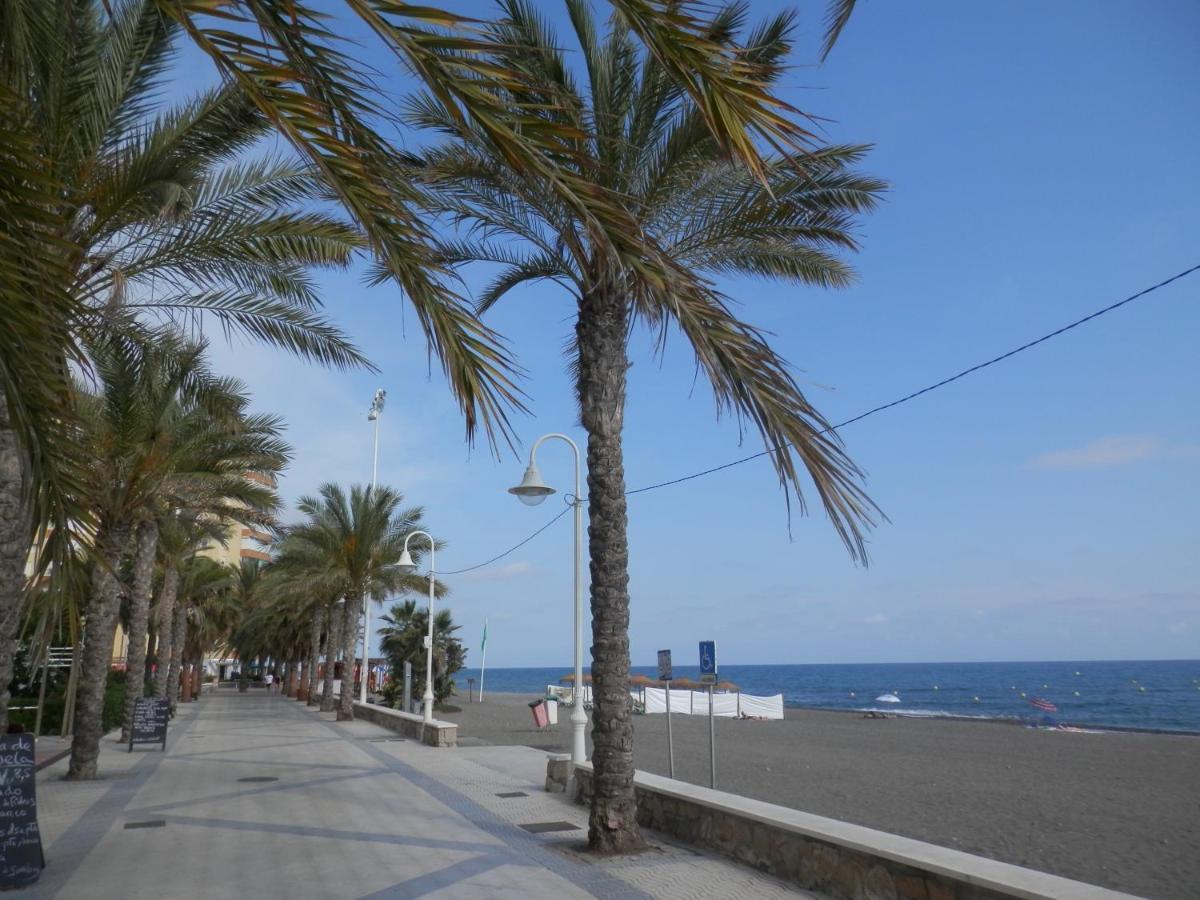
(708, 662)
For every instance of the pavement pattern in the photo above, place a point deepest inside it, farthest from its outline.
(259, 796)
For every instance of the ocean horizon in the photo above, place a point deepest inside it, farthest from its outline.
(1157, 695)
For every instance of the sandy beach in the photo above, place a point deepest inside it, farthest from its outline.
(1114, 809)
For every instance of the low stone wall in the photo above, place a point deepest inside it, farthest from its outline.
(837, 859)
(437, 734)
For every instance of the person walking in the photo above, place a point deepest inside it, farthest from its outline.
(269, 681)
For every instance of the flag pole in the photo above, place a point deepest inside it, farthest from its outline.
(483, 660)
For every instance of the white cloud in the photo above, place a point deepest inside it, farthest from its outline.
(875, 619)
(1115, 450)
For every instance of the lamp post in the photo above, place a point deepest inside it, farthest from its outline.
(407, 565)
(532, 491)
(372, 416)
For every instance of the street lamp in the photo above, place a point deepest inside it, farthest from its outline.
(406, 565)
(372, 416)
(532, 491)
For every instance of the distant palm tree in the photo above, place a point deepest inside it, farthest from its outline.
(348, 546)
(403, 632)
(205, 585)
(161, 432)
(640, 136)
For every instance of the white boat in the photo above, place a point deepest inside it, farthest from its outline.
(887, 698)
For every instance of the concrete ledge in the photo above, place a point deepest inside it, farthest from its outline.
(846, 861)
(437, 734)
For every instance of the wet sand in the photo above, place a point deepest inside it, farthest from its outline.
(1114, 809)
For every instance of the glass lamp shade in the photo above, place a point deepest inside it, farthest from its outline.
(532, 490)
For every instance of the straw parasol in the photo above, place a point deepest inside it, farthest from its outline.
(569, 678)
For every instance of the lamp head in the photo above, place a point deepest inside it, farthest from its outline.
(405, 564)
(532, 490)
(377, 405)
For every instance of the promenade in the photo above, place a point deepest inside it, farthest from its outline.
(259, 796)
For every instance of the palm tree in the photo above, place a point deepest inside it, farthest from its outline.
(123, 215)
(402, 640)
(164, 433)
(204, 585)
(348, 547)
(303, 79)
(642, 137)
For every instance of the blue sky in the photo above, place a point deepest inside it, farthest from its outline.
(1042, 159)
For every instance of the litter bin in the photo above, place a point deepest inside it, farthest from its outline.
(552, 710)
(539, 713)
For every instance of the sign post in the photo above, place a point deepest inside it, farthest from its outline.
(407, 686)
(21, 857)
(664, 675)
(150, 715)
(708, 675)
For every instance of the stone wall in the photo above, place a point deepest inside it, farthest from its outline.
(837, 859)
(437, 734)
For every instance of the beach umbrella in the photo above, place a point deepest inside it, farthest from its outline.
(728, 686)
(569, 678)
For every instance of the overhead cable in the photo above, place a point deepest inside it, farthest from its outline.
(870, 412)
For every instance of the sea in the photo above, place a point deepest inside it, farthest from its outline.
(1158, 695)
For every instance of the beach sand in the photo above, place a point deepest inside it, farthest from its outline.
(1114, 809)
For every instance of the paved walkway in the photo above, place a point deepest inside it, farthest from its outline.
(258, 796)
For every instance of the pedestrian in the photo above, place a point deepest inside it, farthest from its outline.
(268, 680)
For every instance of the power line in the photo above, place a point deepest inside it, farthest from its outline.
(933, 387)
(514, 549)
(870, 412)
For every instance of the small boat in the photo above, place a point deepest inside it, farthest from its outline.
(887, 698)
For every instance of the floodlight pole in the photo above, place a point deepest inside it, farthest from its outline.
(372, 416)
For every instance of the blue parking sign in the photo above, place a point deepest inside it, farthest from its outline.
(708, 662)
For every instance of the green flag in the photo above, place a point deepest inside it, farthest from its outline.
(483, 643)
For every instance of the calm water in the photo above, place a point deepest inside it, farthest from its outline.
(1130, 694)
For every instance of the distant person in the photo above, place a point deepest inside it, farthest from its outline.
(269, 680)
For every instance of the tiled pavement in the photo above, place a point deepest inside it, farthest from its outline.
(336, 811)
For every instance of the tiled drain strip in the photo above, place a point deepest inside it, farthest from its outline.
(534, 850)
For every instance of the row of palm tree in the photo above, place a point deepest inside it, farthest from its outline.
(307, 605)
(671, 159)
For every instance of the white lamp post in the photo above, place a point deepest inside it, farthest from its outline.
(406, 564)
(372, 416)
(532, 491)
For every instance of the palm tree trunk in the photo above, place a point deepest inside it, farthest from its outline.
(314, 653)
(139, 613)
(345, 711)
(601, 334)
(293, 680)
(98, 634)
(314, 657)
(178, 636)
(165, 626)
(16, 536)
(332, 642)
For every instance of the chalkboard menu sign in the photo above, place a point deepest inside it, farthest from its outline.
(21, 859)
(149, 721)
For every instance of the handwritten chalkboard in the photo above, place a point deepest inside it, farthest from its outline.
(21, 859)
(149, 721)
